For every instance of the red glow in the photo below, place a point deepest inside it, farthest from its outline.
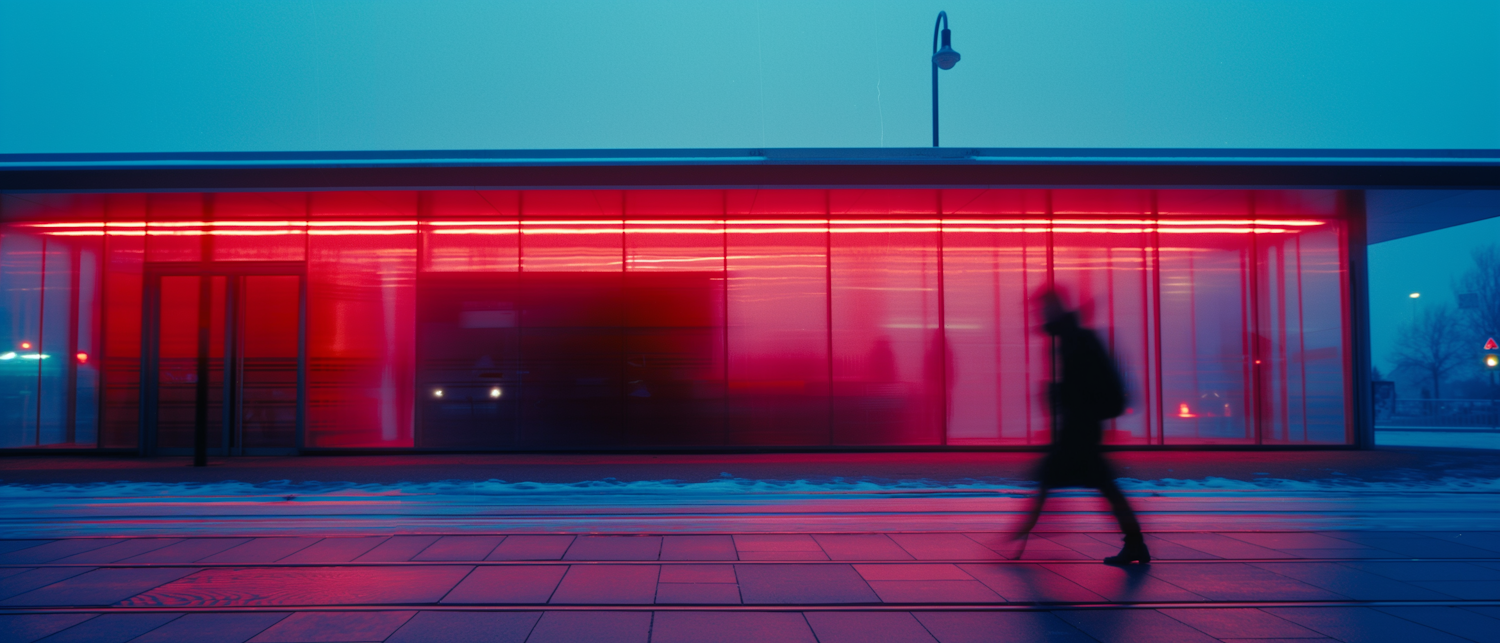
(642, 318)
(25, 346)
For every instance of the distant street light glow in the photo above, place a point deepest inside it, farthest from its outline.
(1415, 295)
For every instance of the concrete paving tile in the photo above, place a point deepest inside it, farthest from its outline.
(1129, 626)
(1336, 554)
(7, 546)
(925, 571)
(1489, 540)
(775, 542)
(52, 551)
(1160, 549)
(1247, 623)
(1492, 611)
(294, 586)
(1360, 624)
(508, 584)
(783, 555)
(39, 577)
(397, 549)
(261, 550)
(213, 628)
(861, 547)
(1222, 546)
(467, 627)
(698, 548)
(459, 548)
(7, 572)
(190, 550)
(592, 627)
(1037, 546)
(615, 548)
(698, 574)
(1312, 640)
(607, 585)
(1084, 544)
(334, 627)
(112, 628)
(1417, 546)
(1350, 582)
(1471, 590)
(934, 591)
(944, 547)
(1291, 540)
(1238, 582)
(1133, 583)
(531, 548)
(730, 627)
(99, 587)
(1426, 570)
(795, 584)
(1028, 583)
(25, 628)
(120, 550)
(697, 594)
(335, 550)
(1000, 627)
(1452, 620)
(868, 627)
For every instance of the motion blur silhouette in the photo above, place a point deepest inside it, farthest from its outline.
(1086, 393)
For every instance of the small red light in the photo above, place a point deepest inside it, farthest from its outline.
(83, 358)
(25, 346)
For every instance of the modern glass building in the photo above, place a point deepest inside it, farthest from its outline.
(659, 301)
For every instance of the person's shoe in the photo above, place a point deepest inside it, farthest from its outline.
(1134, 552)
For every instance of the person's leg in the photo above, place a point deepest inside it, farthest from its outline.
(1135, 542)
(1120, 506)
(1035, 512)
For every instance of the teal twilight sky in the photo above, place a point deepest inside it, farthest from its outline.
(158, 75)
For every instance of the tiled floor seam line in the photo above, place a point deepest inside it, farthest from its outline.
(929, 561)
(455, 585)
(299, 549)
(805, 621)
(817, 607)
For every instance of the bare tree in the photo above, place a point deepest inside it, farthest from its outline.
(1434, 345)
(1483, 282)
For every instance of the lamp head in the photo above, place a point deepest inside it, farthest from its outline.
(946, 58)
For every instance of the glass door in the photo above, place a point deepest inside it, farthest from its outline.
(223, 365)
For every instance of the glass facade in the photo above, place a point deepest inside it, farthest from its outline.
(651, 319)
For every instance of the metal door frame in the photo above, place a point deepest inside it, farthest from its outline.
(233, 341)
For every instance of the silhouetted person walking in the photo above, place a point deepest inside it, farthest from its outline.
(1088, 392)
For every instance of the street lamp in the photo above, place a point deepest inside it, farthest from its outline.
(942, 58)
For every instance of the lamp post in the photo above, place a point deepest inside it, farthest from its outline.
(942, 58)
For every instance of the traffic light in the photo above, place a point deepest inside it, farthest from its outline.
(1492, 361)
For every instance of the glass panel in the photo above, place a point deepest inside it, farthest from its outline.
(466, 230)
(177, 362)
(778, 332)
(1302, 324)
(572, 339)
(22, 256)
(674, 331)
(124, 256)
(889, 380)
(1101, 266)
(998, 357)
(257, 226)
(362, 324)
(268, 367)
(1206, 362)
(469, 367)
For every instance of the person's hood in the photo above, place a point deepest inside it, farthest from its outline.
(1066, 322)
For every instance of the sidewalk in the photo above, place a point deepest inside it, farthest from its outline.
(828, 588)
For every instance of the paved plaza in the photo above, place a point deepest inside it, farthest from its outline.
(202, 562)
